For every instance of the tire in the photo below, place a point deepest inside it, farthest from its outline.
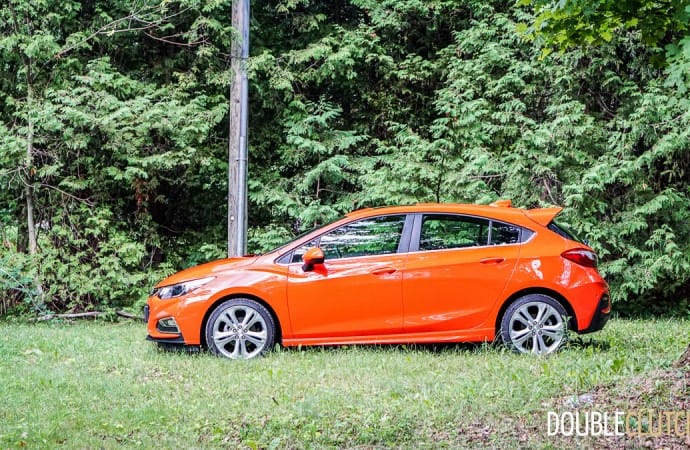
(240, 329)
(535, 323)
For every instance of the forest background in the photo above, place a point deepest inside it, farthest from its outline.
(114, 132)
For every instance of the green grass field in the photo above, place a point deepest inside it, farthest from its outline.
(100, 385)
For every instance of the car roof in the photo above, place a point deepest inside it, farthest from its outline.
(501, 210)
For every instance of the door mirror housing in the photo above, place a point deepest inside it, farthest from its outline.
(312, 257)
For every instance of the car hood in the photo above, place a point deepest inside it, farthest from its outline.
(207, 269)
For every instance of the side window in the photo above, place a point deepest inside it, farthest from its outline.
(447, 231)
(365, 237)
(297, 254)
(503, 233)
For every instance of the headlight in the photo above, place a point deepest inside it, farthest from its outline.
(179, 289)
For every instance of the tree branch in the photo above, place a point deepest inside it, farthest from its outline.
(91, 314)
(135, 21)
(85, 315)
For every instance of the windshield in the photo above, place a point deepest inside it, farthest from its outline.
(299, 236)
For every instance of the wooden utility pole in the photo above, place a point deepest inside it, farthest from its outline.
(28, 188)
(237, 148)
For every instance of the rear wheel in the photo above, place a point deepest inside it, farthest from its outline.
(240, 328)
(535, 323)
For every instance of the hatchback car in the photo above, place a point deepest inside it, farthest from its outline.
(427, 273)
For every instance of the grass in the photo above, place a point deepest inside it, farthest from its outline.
(100, 385)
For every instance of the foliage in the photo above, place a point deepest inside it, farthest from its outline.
(663, 26)
(576, 22)
(108, 139)
(57, 378)
(114, 115)
(16, 284)
(635, 184)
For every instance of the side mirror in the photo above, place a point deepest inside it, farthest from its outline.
(311, 257)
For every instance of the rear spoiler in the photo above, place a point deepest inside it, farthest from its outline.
(543, 216)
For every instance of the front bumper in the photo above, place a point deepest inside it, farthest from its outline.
(601, 316)
(175, 340)
(179, 319)
(174, 344)
(172, 334)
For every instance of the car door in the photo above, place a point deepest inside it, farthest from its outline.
(357, 291)
(457, 269)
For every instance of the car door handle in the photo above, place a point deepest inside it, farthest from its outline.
(383, 271)
(494, 260)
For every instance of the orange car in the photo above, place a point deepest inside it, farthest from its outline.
(422, 273)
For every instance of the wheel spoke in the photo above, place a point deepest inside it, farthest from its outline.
(553, 335)
(231, 317)
(242, 344)
(236, 350)
(250, 319)
(521, 320)
(521, 340)
(541, 345)
(517, 334)
(553, 328)
(541, 310)
(222, 338)
(552, 316)
(523, 316)
(258, 338)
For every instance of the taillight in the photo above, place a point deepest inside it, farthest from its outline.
(581, 256)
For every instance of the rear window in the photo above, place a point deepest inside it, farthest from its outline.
(450, 231)
(445, 231)
(563, 231)
(503, 233)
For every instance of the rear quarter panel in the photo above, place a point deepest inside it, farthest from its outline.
(542, 267)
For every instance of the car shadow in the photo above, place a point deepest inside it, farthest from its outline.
(438, 348)
(451, 347)
(576, 343)
(580, 343)
(174, 348)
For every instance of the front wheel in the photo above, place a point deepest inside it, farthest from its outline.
(240, 329)
(535, 323)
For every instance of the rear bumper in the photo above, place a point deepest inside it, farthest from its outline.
(601, 316)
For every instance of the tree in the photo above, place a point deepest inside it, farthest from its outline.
(663, 26)
(638, 180)
(94, 142)
(353, 103)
